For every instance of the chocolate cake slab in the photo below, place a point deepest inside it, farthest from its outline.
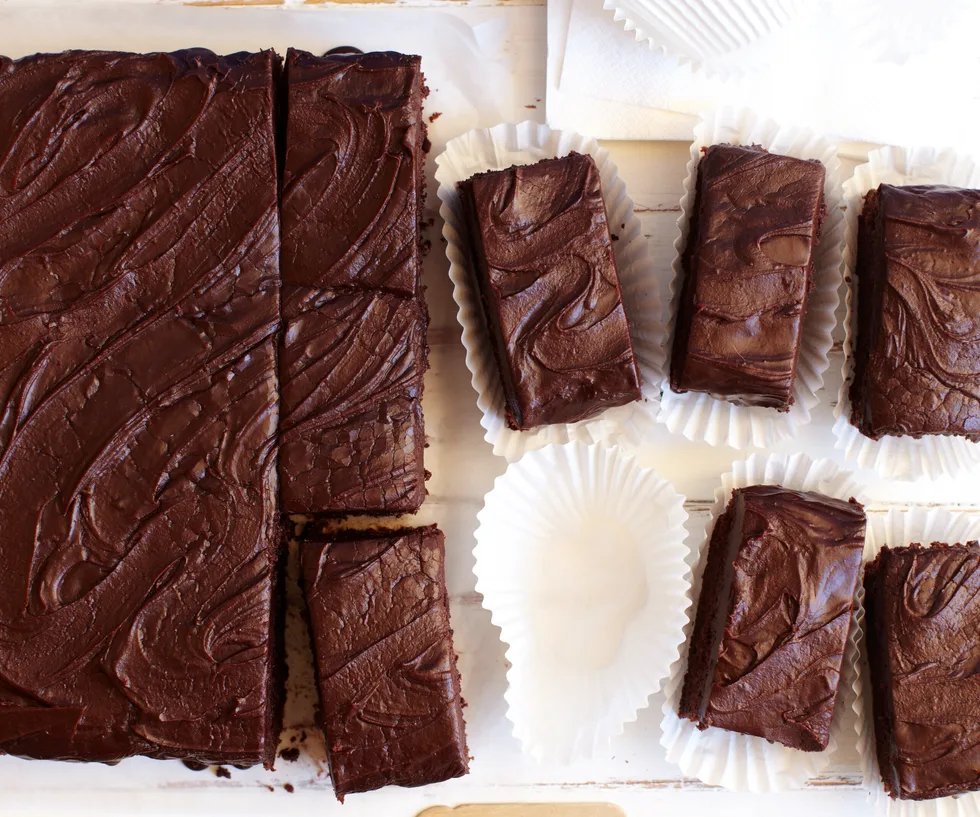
(922, 619)
(747, 271)
(390, 704)
(543, 260)
(353, 176)
(917, 355)
(352, 433)
(139, 304)
(774, 614)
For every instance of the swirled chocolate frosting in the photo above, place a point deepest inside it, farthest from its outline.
(353, 174)
(354, 352)
(923, 613)
(138, 406)
(543, 259)
(390, 704)
(352, 435)
(918, 340)
(774, 614)
(747, 272)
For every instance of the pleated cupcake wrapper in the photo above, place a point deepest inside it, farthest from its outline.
(717, 756)
(580, 560)
(704, 33)
(703, 418)
(501, 147)
(898, 528)
(897, 457)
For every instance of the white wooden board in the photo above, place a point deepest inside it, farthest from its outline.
(497, 53)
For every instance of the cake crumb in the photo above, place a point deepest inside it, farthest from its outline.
(221, 771)
(433, 117)
(289, 787)
(614, 237)
(530, 106)
(270, 788)
(291, 754)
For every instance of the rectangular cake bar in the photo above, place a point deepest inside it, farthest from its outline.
(139, 305)
(774, 615)
(352, 435)
(747, 271)
(353, 352)
(390, 704)
(923, 615)
(543, 261)
(917, 356)
(353, 176)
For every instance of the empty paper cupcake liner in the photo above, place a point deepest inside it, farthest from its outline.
(504, 146)
(701, 417)
(898, 528)
(580, 560)
(897, 457)
(717, 756)
(704, 33)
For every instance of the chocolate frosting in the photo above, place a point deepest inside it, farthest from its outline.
(352, 433)
(747, 272)
(353, 176)
(138, 406)
(544, 262)
(784, 602)
(390, 704)
(923, 616)
(918, 344)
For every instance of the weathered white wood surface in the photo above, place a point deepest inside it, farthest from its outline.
(511, 38)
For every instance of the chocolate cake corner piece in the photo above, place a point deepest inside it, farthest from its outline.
(543, 261)
(922, 619)
(773, 616)
(352, 432)
(139, 303)
(390, 703)
(917, 354)
(354, 175)
(747, 272)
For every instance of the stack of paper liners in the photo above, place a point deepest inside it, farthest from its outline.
(353, 349)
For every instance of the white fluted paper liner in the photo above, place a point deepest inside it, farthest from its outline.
(501, 147)
(897, 457)
(703, 418)
(898, 528)
(703, 32)
(717, 756)
(580, 560)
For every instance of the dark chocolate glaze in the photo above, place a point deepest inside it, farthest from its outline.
(918, 342)
(747, 273)
(774, 614)
(138, 407)
(544, 263)
(352, 433)
(353, 178)
(922, 619)
(390, 705)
